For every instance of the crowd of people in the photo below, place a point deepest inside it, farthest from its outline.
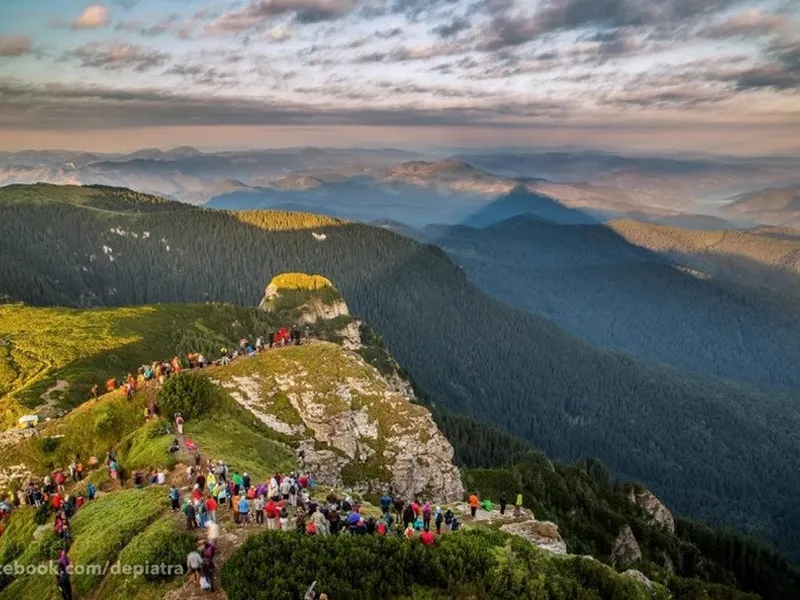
(159, 371)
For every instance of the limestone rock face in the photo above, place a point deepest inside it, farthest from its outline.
(348, 426)
(639, 576)
(543, 534)
(626, 549)
(316, 296)
(660, 515)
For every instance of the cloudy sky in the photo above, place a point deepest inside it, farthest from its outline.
(705, 75)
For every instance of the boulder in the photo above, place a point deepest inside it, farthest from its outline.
(626, 549)
(543, 534)
(660, 515)
(640, 577)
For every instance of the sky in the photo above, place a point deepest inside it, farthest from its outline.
(669, 75)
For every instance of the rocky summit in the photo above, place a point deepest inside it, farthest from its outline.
(348, 425)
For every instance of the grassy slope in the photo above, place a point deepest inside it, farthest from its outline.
(42, 345)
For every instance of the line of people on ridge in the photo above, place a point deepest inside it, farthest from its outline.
(159, 371)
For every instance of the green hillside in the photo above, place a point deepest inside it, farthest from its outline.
(133, 527)
(717, 452)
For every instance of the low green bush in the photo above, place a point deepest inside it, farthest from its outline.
(188, 393)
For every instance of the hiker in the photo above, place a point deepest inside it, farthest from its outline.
(334, 521)
(191, 514)
(244, 509)
(111, 385)
(272, 513)
(64, 585)
(246, 481)
(426, 515)
(381, 527)
(503, 502)
(258, 507)
(95, 391)
(207, 568)
(427, 538)
(474, 503)
(138, 480)
(211, 509)
(448, 518)
(194, 561)
(518, 506)
(90, 491)
(386, 503)
(174, 446)
(174, 498)
(283, 516)
(179, 423)
(212, 532)
(487, 505)
(238, 482)
(408, 516)
(284, 487)
(438, 520)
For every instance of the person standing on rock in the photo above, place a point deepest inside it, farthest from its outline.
(474, 503)
(408, 516)
(426, 515)
(438, 520)
(503, 502)
(258, 507)
(386, 503)
(518, 506)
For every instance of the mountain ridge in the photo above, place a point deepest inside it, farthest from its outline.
(432, 318)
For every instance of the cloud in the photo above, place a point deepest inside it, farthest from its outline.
(753, 22)
(780, 71)
(407, 53)
(511, 28)
(32, 107)
(278, 33)
(454, 27)
(256, 14)
(15, 45)
(116, 57)
(93, 16)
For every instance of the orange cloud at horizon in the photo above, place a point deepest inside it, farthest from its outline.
(744, 139)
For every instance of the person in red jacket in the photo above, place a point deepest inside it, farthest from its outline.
(427, 538)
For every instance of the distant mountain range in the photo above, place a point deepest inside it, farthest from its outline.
(419, 189)
(772, 206)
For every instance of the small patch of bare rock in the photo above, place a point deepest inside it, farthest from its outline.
(640, 577)
(543, 534)
(660, 515)
(626, 549)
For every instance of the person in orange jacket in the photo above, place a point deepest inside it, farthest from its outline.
(474, 503)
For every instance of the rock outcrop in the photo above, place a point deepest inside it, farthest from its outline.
(543, 534)
(313, 296)
(660, 515)
(640, 577)
(626, 549)
(349, 427)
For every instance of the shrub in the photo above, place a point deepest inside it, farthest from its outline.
(42, 514)
(190, 394)
(159, 544)
(49, 444)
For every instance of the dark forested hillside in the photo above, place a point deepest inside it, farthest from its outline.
(713, 451)
(598, 286)
(590, 507)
